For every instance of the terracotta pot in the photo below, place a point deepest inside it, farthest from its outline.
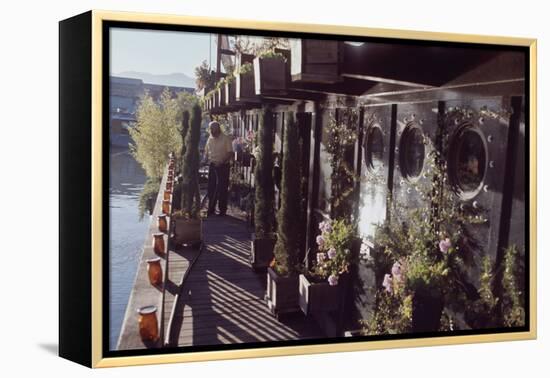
(166, 206)
(158, 243)
(167, 194)
(154, 271)
(162, 223)
(148, 324)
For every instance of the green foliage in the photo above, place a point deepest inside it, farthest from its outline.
(185, 101)
(334, 250)
(513, 310)
(264, 213)
(156, 133)
(393, 315)
(184, 132)
(429, 248)
(342, 135)
(148, 196)
(190, 199)
(288, 233)
(271, 54)
(204, 77)
(245, 69)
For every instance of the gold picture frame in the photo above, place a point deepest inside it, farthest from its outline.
(93, 26)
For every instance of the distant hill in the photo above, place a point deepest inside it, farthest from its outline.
(174, 79)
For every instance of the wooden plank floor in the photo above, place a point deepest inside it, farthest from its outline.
(222, 298)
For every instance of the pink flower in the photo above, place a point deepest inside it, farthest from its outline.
(321, 257)
(388, 283)
(325, 226)
(331, 253)
(444, 245)
(396, 269)
(320, 240)
(333, 280)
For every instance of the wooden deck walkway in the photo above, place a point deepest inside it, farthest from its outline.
(221, 300)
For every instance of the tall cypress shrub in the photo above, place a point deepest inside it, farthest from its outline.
(264, 214)
(190, 199)
(288, 232)
(183, 132)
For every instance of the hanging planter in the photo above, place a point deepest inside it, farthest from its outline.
(281, 293)
(271, 74)
(244, 83)
(230, 92)
(316, 61)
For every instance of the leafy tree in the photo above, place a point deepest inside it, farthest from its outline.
(288, 234)
(156, 133)
(265, 193)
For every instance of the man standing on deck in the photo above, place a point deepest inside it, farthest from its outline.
(218, 152)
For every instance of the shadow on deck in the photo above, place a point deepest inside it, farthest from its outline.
(221, 301)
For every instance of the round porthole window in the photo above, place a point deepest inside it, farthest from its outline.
(468, 160)
(411, 152)
(374, 148)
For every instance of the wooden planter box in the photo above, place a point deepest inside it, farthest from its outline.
(187, 231)
(245, 89)
(316, 61)
(230, 95)
(261, 252)
(427, 309)
(318, 297)
(271, 76)
(281, 293)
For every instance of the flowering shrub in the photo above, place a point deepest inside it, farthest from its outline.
(334, 255)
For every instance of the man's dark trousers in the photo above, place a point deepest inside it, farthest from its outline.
(218, 182)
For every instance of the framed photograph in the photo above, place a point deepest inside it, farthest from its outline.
(233, 188)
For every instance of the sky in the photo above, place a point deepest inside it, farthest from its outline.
(159, 52)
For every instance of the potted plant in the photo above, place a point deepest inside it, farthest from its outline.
(423, 260)
(322, 287)
(263, 240)
(271, 74)
(282, 274)
(188, 223)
